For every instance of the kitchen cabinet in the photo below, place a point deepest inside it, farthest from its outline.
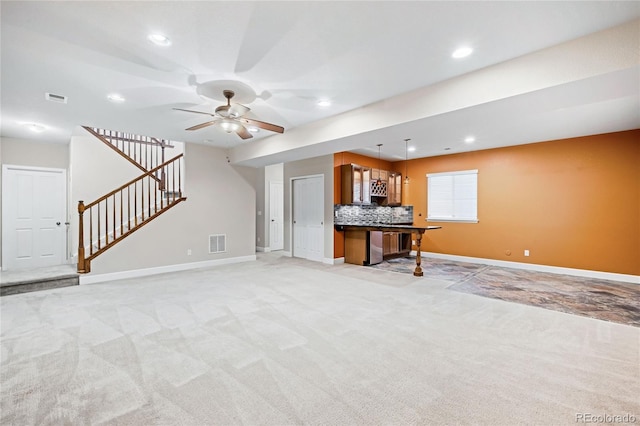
(363, 247)
(394, 189)
(389, 243)
(356, 184)
(382, 174)
(379, 183)
(355, 247)
(359, 186)
(396, 244)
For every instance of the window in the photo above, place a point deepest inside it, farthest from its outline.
(453, 196)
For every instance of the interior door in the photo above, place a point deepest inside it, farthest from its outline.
(33, 217)
(276, 216)
(308, 218)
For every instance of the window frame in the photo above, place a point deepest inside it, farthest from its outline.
(456, 202)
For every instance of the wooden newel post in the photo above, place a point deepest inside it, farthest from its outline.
(82, 268)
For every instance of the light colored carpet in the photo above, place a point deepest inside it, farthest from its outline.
(284, 341)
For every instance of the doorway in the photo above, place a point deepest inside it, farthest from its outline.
(33, 217)
(308, 217)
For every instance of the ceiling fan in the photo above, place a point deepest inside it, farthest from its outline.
(231, 118)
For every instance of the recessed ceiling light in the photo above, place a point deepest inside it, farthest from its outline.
(469, 139)
(462, 52)
(253, 129)
(34, 127)
(159, 39)
(114, 97)
(324, 103)
(411, 149)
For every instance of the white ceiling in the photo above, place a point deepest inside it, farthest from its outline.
(282, 57)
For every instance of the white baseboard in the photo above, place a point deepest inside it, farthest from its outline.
(336, 261)
(263, 249)
(633, 279)
(93, 279)
(286, 253)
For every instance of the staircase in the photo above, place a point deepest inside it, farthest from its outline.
(116, 215)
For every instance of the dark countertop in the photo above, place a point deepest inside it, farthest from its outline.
(387, 227)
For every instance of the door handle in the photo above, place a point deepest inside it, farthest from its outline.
(58, 223)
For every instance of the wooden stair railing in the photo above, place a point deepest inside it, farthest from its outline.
(144, 152)
(118, 214)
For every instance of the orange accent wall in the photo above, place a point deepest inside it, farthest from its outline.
(572, 203)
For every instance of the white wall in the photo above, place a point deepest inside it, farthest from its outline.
(220, 200)
(24, 152)
(313, 166)
(261, 215)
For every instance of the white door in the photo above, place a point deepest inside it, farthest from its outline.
(33, 217)
(276, 216)
(308, 218)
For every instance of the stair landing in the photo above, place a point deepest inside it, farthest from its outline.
(24, 281)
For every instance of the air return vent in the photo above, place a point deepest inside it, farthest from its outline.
(61, 99)
(217, 243)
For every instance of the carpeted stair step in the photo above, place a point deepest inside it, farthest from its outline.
(37, 284)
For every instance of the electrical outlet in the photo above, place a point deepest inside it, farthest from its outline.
(188, 252)
(526, 252)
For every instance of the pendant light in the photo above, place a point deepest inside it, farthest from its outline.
(406, 160)
(379, 181)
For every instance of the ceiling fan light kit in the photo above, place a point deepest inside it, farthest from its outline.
(229, 126)
(159, 39)
(231, 118)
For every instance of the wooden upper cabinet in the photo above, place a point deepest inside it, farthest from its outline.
(382, 174)
(355, 184)
(394, 189)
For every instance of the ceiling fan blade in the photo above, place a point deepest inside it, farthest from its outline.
(262, 125)
(200, 126)
(244, 133)
(197, 112)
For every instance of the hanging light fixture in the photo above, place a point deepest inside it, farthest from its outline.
(379, 181)
(406, 160)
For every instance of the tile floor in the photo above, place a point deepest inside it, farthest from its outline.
(601, 299)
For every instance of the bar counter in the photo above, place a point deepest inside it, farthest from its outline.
(418, 230)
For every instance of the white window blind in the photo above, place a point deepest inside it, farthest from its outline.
(453, 196)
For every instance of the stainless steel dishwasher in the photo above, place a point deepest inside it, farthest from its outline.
(375, 247)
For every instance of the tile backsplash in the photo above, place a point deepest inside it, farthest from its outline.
(371, 215)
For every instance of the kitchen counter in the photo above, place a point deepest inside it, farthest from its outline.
(418, 230)
(388, 227)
